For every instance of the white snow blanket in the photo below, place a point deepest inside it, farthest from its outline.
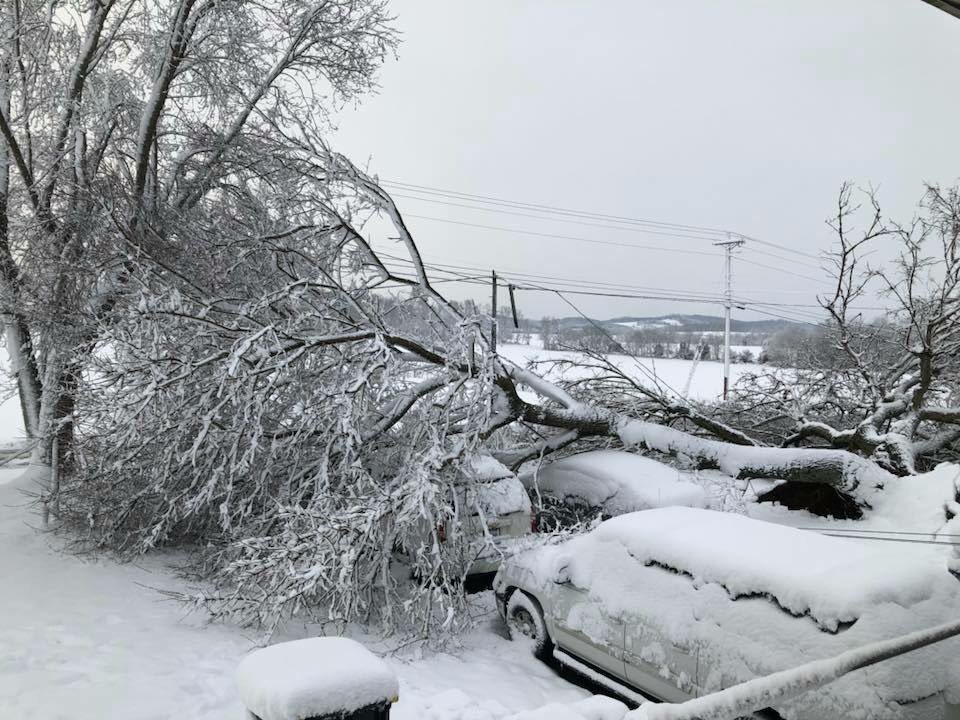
(311, 677)
(748, 598)
(617, 482)
(701, 380)
(91, 639)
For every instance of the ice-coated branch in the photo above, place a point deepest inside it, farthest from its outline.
(843, 470)
(762, 692)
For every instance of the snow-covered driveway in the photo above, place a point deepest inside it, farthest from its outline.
(86, 638)
(92, 640)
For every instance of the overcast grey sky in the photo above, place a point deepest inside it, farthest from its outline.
(745, 115)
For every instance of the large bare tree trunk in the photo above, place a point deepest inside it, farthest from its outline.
(23, 366)
(23, 363)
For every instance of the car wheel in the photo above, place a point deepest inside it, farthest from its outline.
(525, 623)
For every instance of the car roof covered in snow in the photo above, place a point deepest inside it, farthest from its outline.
(617, 482)
(831, 579)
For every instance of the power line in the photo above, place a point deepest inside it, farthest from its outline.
(626, 228)
(777, 269)
(620, 295)
(780, 316)
(563, 237)
(568, 212)
(792, 261)
(651, 374)
(634, 246)
(933, 533)
(580, 283)
(504, 202)
(782, 247)
(810, 305)
(834, 533)
(597, 288)
(629, 228)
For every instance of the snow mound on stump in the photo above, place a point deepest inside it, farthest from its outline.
(828, 578)
(316, 676)
(617, 482)
(597, 707)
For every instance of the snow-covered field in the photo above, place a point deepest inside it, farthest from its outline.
(695, 380)
(90, 639)
(705, 378)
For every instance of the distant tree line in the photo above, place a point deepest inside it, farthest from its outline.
(647, 342)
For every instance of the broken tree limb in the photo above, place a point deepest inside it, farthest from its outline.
(759, 693)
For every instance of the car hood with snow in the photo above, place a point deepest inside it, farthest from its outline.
(615, 482)
(750, 598)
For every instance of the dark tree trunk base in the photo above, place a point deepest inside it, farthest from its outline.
(823, 500)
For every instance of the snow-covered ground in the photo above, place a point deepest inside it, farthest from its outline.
(695, 380)
(11, 422)
(84, 638)
(90, 639)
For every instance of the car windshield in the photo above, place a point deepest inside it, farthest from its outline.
(501, 496)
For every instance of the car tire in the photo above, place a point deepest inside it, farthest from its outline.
(525, 623)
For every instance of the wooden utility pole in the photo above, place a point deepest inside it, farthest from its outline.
(728, 245)
(493, 310)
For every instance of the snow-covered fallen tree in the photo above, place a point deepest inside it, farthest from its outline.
(299, 405)
(212, 339)
(845, 471)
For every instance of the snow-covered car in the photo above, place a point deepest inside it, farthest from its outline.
(494, 512)
(607, 483)
(679, 602)
(499, 512)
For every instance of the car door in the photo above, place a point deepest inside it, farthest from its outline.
(657, 666)
(582, 627)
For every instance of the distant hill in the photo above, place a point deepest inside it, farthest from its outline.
(683, 323)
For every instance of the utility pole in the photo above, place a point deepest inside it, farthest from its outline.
(728, 245)
(493, 310)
